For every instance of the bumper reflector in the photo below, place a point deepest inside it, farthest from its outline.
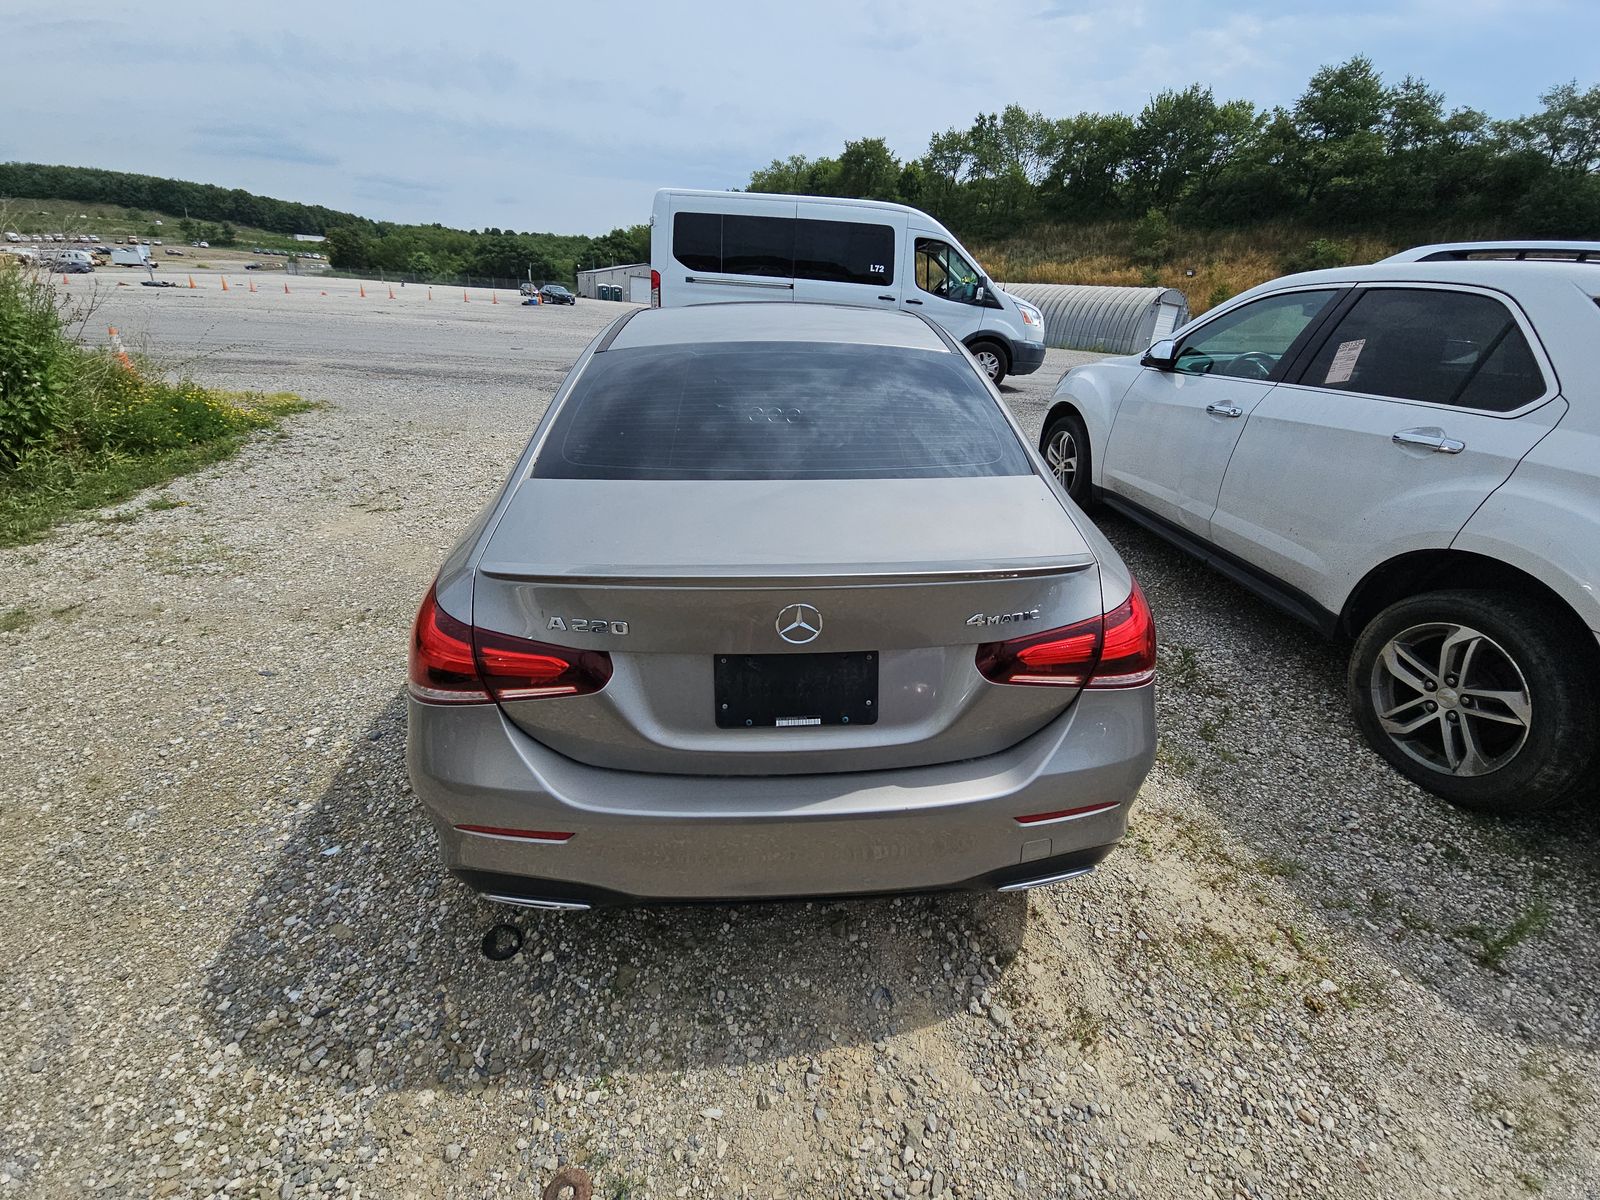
(1065, 814)
(518, 835)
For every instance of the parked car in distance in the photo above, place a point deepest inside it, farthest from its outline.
(554, 293)
(831, 658)
(67, 262)
(1401, 453)
(711, 247)
(174, 252)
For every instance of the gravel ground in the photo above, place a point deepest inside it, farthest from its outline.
(233, 967)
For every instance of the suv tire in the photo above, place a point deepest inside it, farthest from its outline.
(1517, 732)
(1065, 447)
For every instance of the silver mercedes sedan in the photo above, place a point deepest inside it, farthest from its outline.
(778, 602)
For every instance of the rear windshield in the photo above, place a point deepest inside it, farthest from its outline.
(778, 410)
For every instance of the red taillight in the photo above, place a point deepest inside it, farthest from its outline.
(1117, 650)
(453, 663)
(1128, 654)
(516, 669)
(655, 289)
(442, 670)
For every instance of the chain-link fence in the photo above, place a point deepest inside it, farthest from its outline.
(401, 278)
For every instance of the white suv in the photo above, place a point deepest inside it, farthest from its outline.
(1406, 453)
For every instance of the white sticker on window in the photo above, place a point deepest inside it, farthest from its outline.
(1344, 361)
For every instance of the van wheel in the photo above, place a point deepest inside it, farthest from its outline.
(1065, 446)
(1485, 698)
(992, 359)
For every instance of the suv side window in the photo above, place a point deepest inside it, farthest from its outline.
(1432, 345)
(941, 271)
(1250, 341)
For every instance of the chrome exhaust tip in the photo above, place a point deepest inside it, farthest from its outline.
(530, 902)
(1023, 885)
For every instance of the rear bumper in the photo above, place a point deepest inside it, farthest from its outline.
(640, 838)
(1026, 357)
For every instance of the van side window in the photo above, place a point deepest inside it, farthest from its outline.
(757, 245)
(697, 240)
(734, 244)
(844, 252)
(941, 271)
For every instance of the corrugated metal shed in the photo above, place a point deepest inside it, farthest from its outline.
(1117, 320)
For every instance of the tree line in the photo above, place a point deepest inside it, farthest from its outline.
(354, 242)
(1351, 152)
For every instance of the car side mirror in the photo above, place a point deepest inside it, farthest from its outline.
(981, 294)
(1163, 356)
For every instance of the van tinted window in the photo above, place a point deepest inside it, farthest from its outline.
(697, 240)
(757, 245)
(844, 252)
(778, 410)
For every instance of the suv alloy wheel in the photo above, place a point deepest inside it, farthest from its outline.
(1485, 698)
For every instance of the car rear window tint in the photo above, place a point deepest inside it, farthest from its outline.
(778, 410)
(1430, 344)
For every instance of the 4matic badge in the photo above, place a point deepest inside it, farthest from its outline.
(1010, 618)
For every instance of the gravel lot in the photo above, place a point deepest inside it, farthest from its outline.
(233, 967)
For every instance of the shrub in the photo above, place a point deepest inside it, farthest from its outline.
(1152, 239)
(1318, 255)
(37, 364)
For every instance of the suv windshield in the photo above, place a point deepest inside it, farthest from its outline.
(778, 410)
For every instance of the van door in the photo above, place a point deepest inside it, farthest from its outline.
(942, 285)
(845, 255)
(729, 248)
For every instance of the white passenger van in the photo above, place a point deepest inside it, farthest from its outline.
(714, 247)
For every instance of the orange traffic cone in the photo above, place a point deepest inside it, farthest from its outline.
(116, 347)
(430, 293)
(494, 297)
(391, 291)
(464, 299)
(363, 291)
(66, 281)
(191, 281)
(252, 287)
(286, 289)
(224, 283)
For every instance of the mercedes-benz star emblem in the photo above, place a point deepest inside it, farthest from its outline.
(798, 624)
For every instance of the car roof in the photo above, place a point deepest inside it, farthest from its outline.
(1516, 277)
(1482, 251)
(776, 322)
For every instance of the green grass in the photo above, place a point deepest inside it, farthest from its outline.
(1494, 944)
(114, 223)
(52, 487)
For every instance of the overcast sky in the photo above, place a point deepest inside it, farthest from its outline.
(565, 117)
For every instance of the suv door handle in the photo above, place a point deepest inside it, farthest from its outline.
(1429, 439)
(913, 301)
(885, 297)
(1229, 410)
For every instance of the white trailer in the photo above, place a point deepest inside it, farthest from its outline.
(130, 256)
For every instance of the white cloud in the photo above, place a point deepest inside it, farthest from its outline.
(567, 117)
